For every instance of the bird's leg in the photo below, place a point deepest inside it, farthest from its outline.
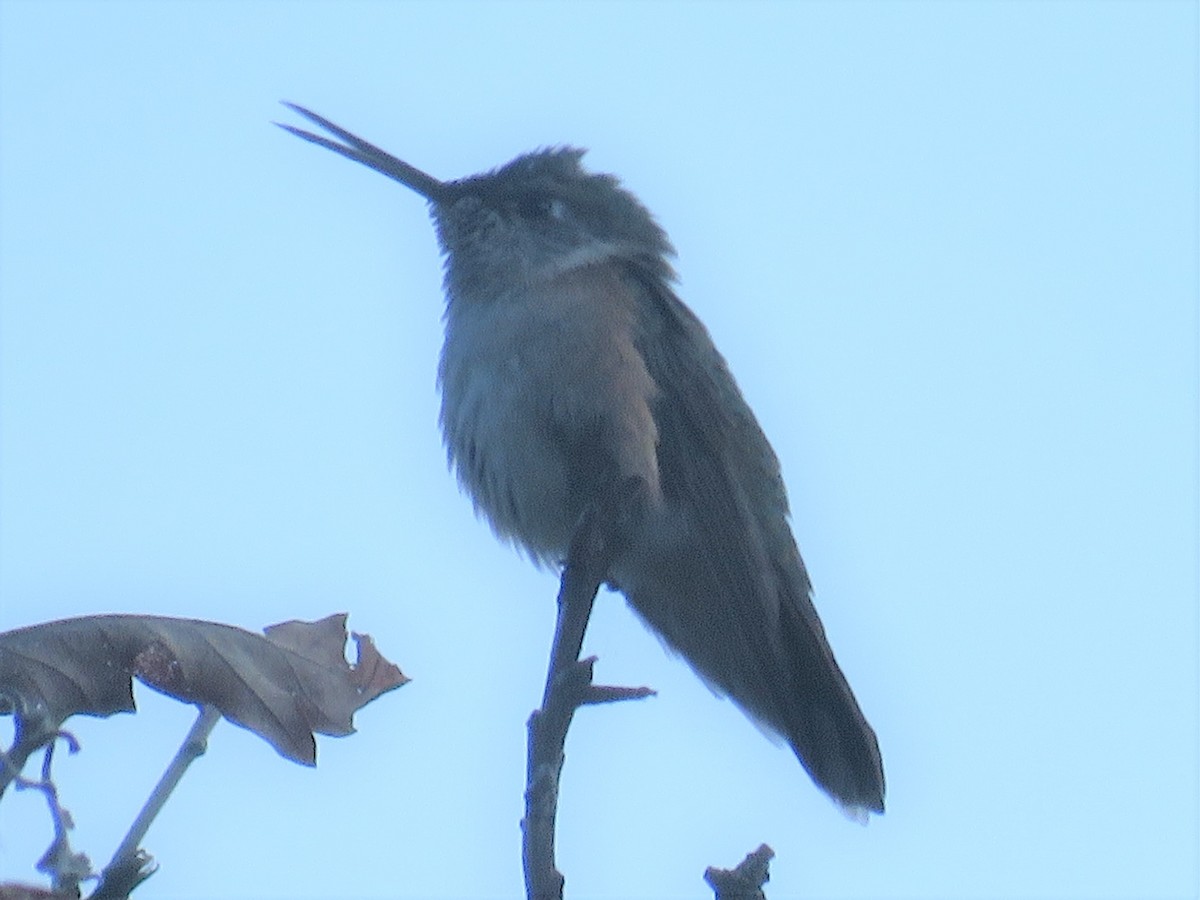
(597, 540)
(600, 536)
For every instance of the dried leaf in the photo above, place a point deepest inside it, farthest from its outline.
(283, 686)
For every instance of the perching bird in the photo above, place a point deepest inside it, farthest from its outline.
(569, 366)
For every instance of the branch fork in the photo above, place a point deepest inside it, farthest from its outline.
(595, 544)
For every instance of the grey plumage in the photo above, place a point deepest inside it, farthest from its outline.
(569, 364)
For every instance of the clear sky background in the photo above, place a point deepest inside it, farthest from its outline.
(949, 250)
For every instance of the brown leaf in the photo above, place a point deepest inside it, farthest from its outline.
(284, 687)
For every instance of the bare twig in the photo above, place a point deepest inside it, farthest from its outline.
(129, 865)
(31, 733)
(122, 876)
(746, 881)
(65, 867)
(594, 545)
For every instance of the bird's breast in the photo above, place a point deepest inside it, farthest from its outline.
(545, 400)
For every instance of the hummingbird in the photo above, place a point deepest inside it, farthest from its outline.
(570, 365)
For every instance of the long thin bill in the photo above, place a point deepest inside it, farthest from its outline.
(368, 154)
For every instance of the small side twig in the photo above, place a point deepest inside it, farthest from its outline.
(32, 731)
(744, 882)
(65, 867)
(594, 545)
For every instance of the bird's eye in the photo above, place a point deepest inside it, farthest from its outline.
(544, 208)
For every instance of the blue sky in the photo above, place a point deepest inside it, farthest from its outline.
(950, 253)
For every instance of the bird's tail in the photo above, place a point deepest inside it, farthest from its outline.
(820, 717)
(762, 645)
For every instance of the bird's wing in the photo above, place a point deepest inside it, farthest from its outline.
(735, 598)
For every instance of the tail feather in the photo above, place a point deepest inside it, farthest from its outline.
(771, 657)
(821, 718)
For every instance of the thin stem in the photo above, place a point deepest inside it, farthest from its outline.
(596, 542)
(193, 747)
